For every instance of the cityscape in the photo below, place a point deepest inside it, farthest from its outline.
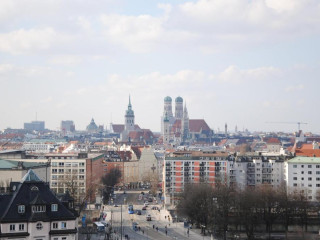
(180, 119)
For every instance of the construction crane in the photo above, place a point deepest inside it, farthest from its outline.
(299, 123)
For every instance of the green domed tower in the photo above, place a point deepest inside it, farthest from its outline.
(178, 114)
(168, 107)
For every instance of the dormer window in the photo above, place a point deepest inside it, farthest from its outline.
(54, 207)
(70, 204)
(21, 209)
(34, 188)
(38, 208)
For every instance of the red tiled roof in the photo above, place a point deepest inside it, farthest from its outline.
(198, 125)
(308, 152)
(100, 143)
(144, 133)
(118, 128)
(222, 142)
(273, 141)
(195, 125)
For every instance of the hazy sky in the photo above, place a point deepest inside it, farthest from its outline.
(244, 62)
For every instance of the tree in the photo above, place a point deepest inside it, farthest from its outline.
(270, 205)
(109, 181)
(195, 201)
(223, 194)
(248, 210)
(153, 179)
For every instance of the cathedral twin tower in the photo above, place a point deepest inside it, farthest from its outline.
(180, 121)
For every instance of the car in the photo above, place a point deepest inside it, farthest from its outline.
(115, 205)
(146, 204)
(142, 193)
(155, 208)
(148, 217)
(150, 200)
(144, 208)
(138, 212)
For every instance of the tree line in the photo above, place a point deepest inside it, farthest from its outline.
(222, 209)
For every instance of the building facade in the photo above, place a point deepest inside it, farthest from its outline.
(32, 211)
(35, 126)
(185, 167)
(303, 177)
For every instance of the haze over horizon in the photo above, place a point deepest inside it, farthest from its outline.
(236, 61)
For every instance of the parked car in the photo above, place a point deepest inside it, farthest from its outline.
(138, 212)
(144, 208)
(150, 200)
(155, 208)
(148, 217)
(146, 204)
(115, 205)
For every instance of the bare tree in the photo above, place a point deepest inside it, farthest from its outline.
(152, 179)
(109, 181)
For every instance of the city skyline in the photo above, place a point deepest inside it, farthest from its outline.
(241, 62)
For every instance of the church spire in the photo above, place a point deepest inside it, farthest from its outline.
(129, 105)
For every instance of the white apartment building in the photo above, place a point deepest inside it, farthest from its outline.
(38, 147)
(303, 176)
(257, 170)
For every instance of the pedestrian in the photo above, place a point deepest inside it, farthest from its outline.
(139, 228)
(153, 226)
(166, 232)
(188, 232)
(157, 229)
(165, 217)
(142, 231)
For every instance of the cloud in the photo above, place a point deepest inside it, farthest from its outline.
(293, 88)
(66, 60)
(234, 74)
(29, 41)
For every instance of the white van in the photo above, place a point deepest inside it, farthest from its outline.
(98, 226)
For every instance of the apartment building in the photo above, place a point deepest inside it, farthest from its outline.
(303, 176)
(254, 170)
(183, 167)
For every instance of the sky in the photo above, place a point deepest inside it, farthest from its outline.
(240, 62)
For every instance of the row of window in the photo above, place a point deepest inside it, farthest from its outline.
(302, 185)
(39, 226)
(302, 166)
(38, 208)
(309, 172)
(63, 164)
(61, 170)
(55, 177)
(309, 178)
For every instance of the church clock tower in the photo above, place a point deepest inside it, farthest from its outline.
(129, 118)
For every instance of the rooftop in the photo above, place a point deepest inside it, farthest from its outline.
(305, 160)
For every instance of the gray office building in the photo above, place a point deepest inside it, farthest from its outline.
(34, 126)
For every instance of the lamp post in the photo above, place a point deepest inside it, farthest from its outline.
(121, 223)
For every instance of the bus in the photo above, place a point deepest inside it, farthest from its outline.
(130, 209)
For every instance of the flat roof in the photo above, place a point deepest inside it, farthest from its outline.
(305, 160)
(8, 164)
